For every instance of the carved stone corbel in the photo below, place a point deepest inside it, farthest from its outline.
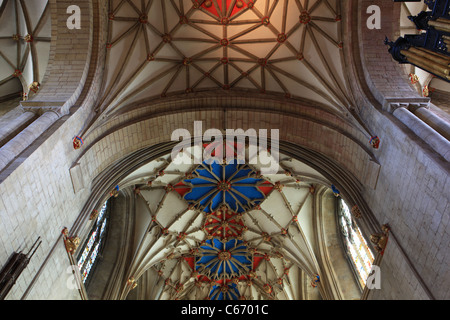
(380, 239)
(93, 215)
(71, 243)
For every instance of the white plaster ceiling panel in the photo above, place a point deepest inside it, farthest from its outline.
(169, 207)
(153, 197)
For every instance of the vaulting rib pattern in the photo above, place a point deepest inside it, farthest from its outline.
(159, 48)
(219, 253)
(24, 46)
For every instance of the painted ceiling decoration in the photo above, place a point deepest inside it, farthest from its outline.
(236, 185)
(291, 49)
(25, 34)
(221, 231)
(224, 192)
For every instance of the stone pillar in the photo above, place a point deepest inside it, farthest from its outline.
(436, 141)
(14, 125)
(63, 83)
(26, 137)
(430, 118)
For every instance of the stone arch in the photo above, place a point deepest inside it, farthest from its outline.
(329, 168)
(372, 69)
(328, 143)
(299, 123)
(72, 53)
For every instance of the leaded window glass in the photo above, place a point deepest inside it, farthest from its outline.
(89, 255)
(356, 246)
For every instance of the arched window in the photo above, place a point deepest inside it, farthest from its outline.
(93, 244)
(358, 251)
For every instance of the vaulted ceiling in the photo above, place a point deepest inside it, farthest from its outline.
(159, 48)
(25, 35)
(290, 48)
(226, 232)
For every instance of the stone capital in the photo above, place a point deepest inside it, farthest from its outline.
(41, 107)
(412, 104)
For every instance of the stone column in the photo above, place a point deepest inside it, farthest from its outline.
(430, 118)
(436, 141)
(26, 137)
(14, 125)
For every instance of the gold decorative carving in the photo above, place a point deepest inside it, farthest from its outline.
(71, 243)
(356, 212)
(132, 283)
(34, 86)
(94, 215)
(380, 239)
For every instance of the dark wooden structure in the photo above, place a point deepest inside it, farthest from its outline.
(430, 49)
(14, 268)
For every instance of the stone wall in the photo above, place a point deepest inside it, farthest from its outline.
(442, 100)
(36, 194)
(136, 130)
(38, 197)
(412, 193)
(382, 74)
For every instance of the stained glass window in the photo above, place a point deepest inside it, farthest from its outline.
(356, 246)
(89, 255)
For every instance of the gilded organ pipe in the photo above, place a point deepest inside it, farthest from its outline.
(439, 25)
(427, 64)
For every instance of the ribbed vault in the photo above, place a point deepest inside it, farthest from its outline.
(261, 242)
(25, 35)
(161, 48)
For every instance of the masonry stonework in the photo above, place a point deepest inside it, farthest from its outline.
(404, 183)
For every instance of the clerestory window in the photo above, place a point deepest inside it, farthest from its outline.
(93, 244)
(359, 253)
